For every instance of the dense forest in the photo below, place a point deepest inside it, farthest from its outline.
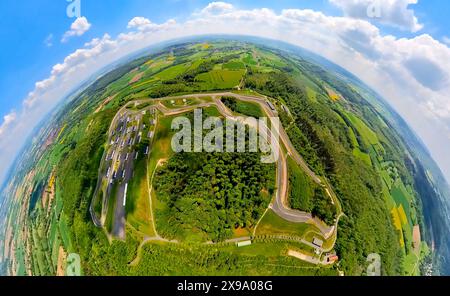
(213, 193)
(307, 196)
(322, 139)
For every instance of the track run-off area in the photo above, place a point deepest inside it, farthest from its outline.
(280, 202)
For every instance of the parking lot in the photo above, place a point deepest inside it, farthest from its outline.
(129, 139)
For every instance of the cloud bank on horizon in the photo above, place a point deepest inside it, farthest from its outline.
(410, 73)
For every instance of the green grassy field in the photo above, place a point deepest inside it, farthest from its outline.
(234, 65)
(111, 208)
(363, 156)
(402, 198)
(55, 251)
(249, 109)
(301, 188)
(369, 136)
(212, 112)
(249, 60)
(161, 150)
(53, 231)
(244, 108)
(138, 201)
(162, 142)
(65, 235)
(353, 139)
(220, 79)
(272, 224)
(20, 257)
(173, 72)
(412, 260)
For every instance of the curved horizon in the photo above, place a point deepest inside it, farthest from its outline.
(230, 20)
(379, 152)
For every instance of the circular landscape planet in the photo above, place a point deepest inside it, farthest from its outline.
(223, 156)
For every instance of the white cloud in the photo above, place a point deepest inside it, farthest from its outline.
(145, 25)
(7, 121)
(386, 63)
(80, 26)
(394, 13)
(217, 8)
(49, 40)
(138, 22)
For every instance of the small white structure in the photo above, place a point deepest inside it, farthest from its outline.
(317, 242)
(244, 243)
(125, 195)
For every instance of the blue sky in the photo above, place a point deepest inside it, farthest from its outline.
(31, 33)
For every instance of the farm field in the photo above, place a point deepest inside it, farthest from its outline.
(220, 79)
